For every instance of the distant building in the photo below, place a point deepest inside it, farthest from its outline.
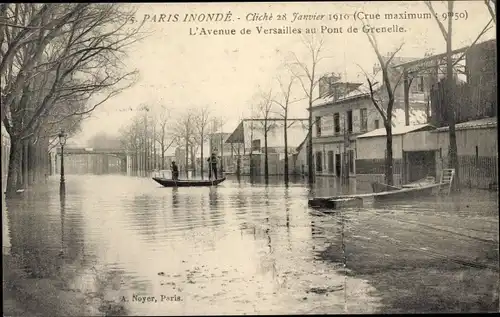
(475, 92)
(180, 158)
(247, 142)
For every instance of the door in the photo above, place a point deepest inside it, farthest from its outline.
(421, 164)
(337, 165)
(330, 162)
(319, 162)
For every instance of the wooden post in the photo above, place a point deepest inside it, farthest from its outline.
(406, 96)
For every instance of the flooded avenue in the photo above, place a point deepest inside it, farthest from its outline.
(118, 245)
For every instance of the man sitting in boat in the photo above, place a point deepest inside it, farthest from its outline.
(175, 171)
(212, 166)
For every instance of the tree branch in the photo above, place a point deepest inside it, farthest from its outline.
(439, 23)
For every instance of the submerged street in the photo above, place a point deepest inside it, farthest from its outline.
(119, 245)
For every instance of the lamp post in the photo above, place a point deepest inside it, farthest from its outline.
(62, 142)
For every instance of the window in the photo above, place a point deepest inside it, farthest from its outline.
(319, 162)
(318, 126)
(330, 162)
(376, 124)
(349, 121)
(336, 123)
(420, 84)
(255, 145)
(364, 119)
(351, 161)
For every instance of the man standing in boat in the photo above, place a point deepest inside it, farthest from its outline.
(175, 171)
(212, 166)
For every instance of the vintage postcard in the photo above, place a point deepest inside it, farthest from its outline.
(249, 158)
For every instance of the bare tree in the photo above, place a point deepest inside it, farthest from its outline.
(162, 133)
(131, 140)
(385, 111)
(74, 55)
(307, 74)
(184, 132)
(265, 106)
(284, 102)
(202, 118)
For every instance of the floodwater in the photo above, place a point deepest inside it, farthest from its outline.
(131, 247)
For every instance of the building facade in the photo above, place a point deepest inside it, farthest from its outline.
(422, 150)
(248, 144)
(335, 128)
(371, 152)
(346, 110)
(474, 83)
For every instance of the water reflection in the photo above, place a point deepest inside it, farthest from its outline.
(213, 197)
(175, 198)
(250, 249)
(62, 200)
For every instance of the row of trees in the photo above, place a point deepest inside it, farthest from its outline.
(58, 63)
(156, 130)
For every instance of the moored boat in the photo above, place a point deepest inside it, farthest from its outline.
(383, 192)
(187, 182)
(409, 192)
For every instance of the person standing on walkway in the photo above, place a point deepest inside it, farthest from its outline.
(175, 171)
(212, 166)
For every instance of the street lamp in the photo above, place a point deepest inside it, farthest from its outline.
(62, 141)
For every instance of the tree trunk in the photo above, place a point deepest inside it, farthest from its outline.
(187, 156)
(285, 134)
(202, 161)
(25, 167)
(162, 155)
(389, 177)
(450, 109)
(193, 161)
(14, 166)
(32, 162)
(310, 169)
(266, 161)
(155, 163)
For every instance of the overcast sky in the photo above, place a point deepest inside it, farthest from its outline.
(224, 72)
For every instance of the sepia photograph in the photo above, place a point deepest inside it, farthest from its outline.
(260, 158)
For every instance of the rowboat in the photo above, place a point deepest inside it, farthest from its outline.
(421, 188)
(381, 192)
(187, 182)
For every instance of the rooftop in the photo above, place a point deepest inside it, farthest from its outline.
(398, 130)
(475, 124)
(237, 136)
(439, 56)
